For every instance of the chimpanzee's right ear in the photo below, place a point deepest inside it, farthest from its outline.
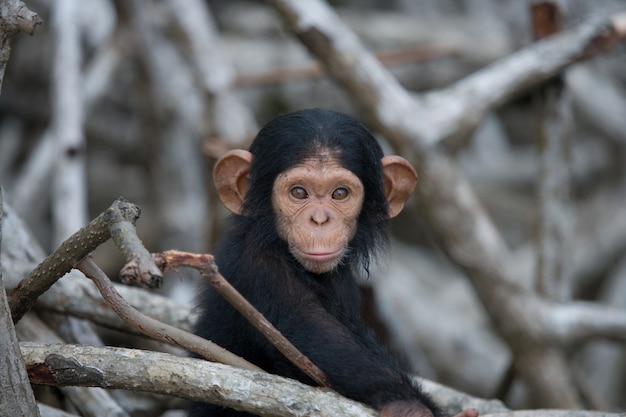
(230, 176)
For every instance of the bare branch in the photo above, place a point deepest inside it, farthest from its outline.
(14, 17)
(63, 259)
(194, 379)
(258, 393)
(155, 329)
(574, 322)
(16, 394)
(76, 296)
(124, 235)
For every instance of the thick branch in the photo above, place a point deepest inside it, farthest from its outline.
(16, 394)
(199, 380)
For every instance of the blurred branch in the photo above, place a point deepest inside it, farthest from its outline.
(231, 120)
(580, 321)
(554, 237)
(35, 175)
(174, 125)
(69, 190)
(313, 70)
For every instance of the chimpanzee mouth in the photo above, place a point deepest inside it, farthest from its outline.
(321, 256)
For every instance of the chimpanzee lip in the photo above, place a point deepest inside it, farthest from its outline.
(321, 256)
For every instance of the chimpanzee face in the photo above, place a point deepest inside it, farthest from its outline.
(317, 205)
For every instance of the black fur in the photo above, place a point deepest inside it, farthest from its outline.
(318, 313)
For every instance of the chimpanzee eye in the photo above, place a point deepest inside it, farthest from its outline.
(298, 193)
(340, 193)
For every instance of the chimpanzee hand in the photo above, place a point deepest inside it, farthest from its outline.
(416, 409)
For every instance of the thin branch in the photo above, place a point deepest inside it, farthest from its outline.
(474, 96)
(154, 328)
(76, 296)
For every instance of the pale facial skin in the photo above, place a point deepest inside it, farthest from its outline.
(317, 203)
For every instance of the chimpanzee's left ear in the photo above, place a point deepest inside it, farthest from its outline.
(400, 180)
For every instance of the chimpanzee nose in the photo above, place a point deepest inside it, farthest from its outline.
(319, 216)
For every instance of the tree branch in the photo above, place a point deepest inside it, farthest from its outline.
(63, 259)
(579, 321)
(14, 17)
(16, 393)
(193, 379)
(255, 392)
(155, 329)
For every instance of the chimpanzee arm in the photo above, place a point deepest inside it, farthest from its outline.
(356, 366)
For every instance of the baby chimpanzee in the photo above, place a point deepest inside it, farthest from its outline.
(311, 202)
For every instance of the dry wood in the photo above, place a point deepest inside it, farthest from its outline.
(14, 17)
(199, 380)
(63, 259)
(194, 379)
(94, 401)
(155, 329)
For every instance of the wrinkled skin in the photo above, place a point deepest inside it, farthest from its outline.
(317, 205)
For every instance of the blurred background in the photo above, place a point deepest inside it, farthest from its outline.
(138, 98)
